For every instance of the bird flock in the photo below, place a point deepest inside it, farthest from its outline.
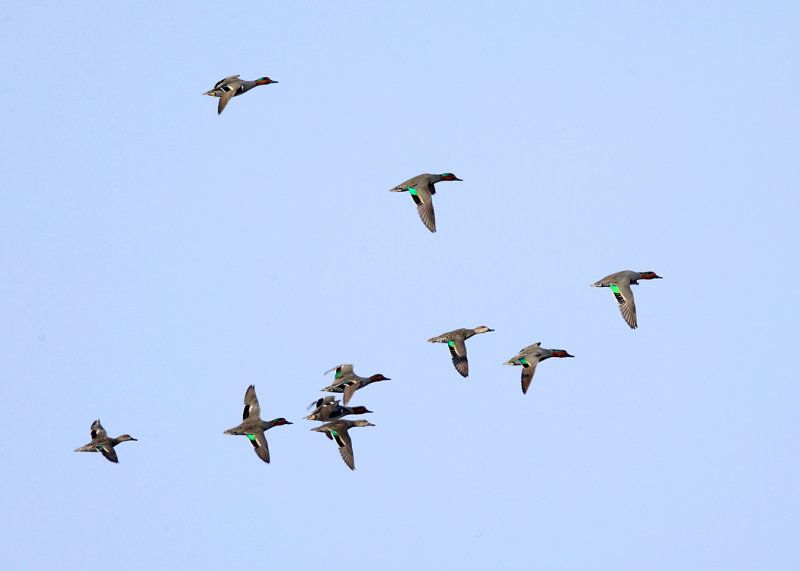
(329, 410)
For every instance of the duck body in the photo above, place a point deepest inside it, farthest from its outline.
(329, 409)
(422, 189)
(253, 427)
(531, 356)
(620, 284)
(102, 443)
(347, 382)
(231, 86)
(337, 431)
(456, 342)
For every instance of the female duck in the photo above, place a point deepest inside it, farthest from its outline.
(102, 443)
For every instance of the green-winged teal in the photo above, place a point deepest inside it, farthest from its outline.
(422, 189)
(328, 408)
(529, 357)
(337, 431)
(233, 86)
(347, 382)
(253, 427)
(102, 443)
(458, 348)
(620, 284)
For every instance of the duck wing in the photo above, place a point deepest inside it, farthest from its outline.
(97, 430)
(320, 402)
(528, 369)
(222, 82)
(259, 442)
(349, 389)
(458, 351)
(108, 451)
(422, 193)
(627, 306)
(340, 370)
(223, 100)
(251, 407)
(345, 444)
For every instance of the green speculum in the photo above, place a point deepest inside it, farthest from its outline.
(413, 191)
(252, 437)
(451, 344)
(523, 361)
(614, 288)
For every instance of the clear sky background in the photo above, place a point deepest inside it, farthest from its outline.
(157, 259)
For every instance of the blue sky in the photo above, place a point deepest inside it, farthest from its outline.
(159, 258)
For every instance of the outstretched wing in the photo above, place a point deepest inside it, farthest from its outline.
(321, 401)
(259, 442)
(97, 430)
(225, 81)
(251, 407)
(627, 306)
(422, 196)
(223, 100)
(349, 389)
(342, 439)
(341, 370)
(109, 452)
(458, 351)
(528, 369)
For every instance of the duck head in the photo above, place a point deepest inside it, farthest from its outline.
(561, 353)
(649, 276)
(360, 410)
(379, 377)
(124, 438)
(264, 81)
(280, 421)
(482, 329)
(448, 176)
